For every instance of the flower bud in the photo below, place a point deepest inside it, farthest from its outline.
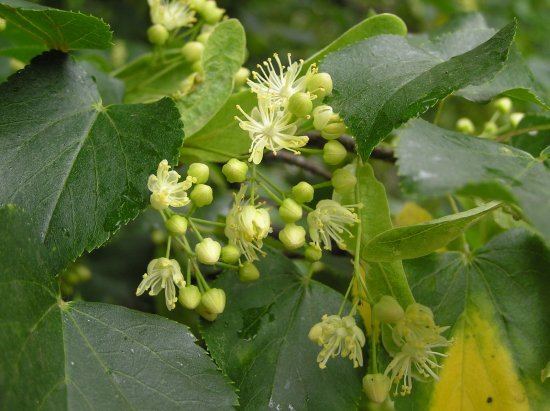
(203, 37)
(334, 152)
(240, 78)
(343, 181)
(504, 105)
(465, 125)
(321, 116)
(2, 24)
(315, 333)
(292, 236)
(230, 254)
(388, 310)
(83, 273)
(313, 253)
(303, 192)
(157, 34)
(333, 130)
(214, 300)
(176, 225)
(515, 118)
(192, 51)
(200, 171)
(206, 314)
(158, 237)
(190, 297)
(377, 387)
(320, 84)
(235, 171)
(290, 211)
(208, 251)
(490, 128)
(248, 272)
(300, 104)
(197, 67)
(210, 12)
(202, 195)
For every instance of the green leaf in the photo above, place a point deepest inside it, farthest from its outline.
(536, 135)
(221, 138)
(80, 169)
(384, 81)
(57, 29)
(384, 23)
(433, 161)
(497, 301)
(88, 356)
(417, 240)
(261, 342)
(223, 56)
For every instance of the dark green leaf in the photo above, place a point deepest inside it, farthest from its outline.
(57, 29)
(382, 82)
(261, 342)
(88, 356)
(434, 161)
(80, 169)
(223, 55)
(417, 240)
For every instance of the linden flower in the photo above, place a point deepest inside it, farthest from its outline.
(162, 274)
(166, 191)
(278, 82)
(246, 226)
(328, 221)
(171, 13)
(338, 336)
(270, 127)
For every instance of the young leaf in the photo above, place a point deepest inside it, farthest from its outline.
(223, 55)
(497, 301)
(57, 29)
(417, 240)
(434, 161)
(375, 92)
(88, 356)
(79, 168)
(261, 342)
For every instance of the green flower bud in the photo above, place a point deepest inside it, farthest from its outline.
(248, 272)
(158, 237)
(230, 254)
(2, 24)
(334, 152)
(208, 251)
(235, 171)
(343, 181)
(490, 128)
(16, 65)
(290, 210)
(214, 300)
(206, 314)
(377, 387)
(322, 115)
(313, 253)
(465, 125)
(515, 118)
(333, 130)
(192, 51)
(388, 310)
(504, 105)
(292, 236)
(83, 273)
(176, 225)
(200, 171)
(190, 297)
(303, 192)
(240, 78)
(203, 37)
(300, 104)
(157, 34)
(210, 12)
(197, 67)
(202, 195)
(320, 84)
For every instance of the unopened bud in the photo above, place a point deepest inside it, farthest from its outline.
(2, 24)
(334, 152)
(315, 333)
(210, 12)
(240, 78)
(320, 84)
(321, 116)
(333, 130)
(214, 300)
(300, 104)
(235, 171)
(303, 192)
(248, 272)
(343, 181)
(197, 67)
(206, 314)
(376, 387)
(192, 51)
(313, 253)
(290, 211)
(208, 251)
(515, 118)
(292, 236)
(200, 171)
(203, 37)
(388, 310)
(202, 195)
(176, 225)
(190, 297)
(158, 237)
(465, 125)
(157, 34)
(490, 128)
(230, 254)
(504, 105)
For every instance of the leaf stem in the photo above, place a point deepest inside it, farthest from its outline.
(207, 222)
(463, 243)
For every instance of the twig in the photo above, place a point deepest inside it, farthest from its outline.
(301, 162)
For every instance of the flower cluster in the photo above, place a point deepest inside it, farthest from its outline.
(171, 14)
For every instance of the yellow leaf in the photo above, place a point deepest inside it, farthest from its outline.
(412, 213)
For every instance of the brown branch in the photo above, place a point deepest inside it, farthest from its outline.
(301, 162)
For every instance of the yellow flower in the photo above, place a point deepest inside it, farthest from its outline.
(328, 221)
(172, 14)
(162, 274)
(165, 189)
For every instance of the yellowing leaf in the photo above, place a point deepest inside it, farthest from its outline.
(412, 213)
